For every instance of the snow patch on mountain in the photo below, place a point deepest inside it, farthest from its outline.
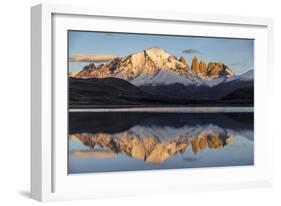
(166, 133)
(214, 82)
(168, 77)
(162, 77)
(247, 76)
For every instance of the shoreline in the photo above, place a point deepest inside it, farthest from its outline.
(169, 109)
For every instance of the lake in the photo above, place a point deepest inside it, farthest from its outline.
(135, 140)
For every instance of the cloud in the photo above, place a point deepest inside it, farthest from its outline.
(92, 58)
(191, 51)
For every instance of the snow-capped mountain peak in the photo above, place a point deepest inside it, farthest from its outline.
(155, 66)
(166, 77)
(144, 63)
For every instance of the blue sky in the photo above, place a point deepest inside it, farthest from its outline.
(237, 53)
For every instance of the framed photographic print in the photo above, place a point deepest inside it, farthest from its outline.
(137, 102)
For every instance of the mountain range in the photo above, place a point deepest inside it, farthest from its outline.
(155, 77)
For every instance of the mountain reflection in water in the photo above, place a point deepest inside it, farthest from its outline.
(148, 147)
(100, 142)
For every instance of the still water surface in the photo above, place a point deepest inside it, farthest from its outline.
(129, 141)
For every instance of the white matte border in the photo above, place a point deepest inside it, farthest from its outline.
(113, 184)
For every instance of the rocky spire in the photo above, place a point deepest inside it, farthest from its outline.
(203, 69)
(195, 65)
(183, 60)
(215, 70)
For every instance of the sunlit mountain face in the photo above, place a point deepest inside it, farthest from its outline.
(148, 63)
(113, 141)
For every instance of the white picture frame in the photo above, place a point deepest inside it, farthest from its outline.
(49, 180)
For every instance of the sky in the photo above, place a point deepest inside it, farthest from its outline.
(236, 53)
